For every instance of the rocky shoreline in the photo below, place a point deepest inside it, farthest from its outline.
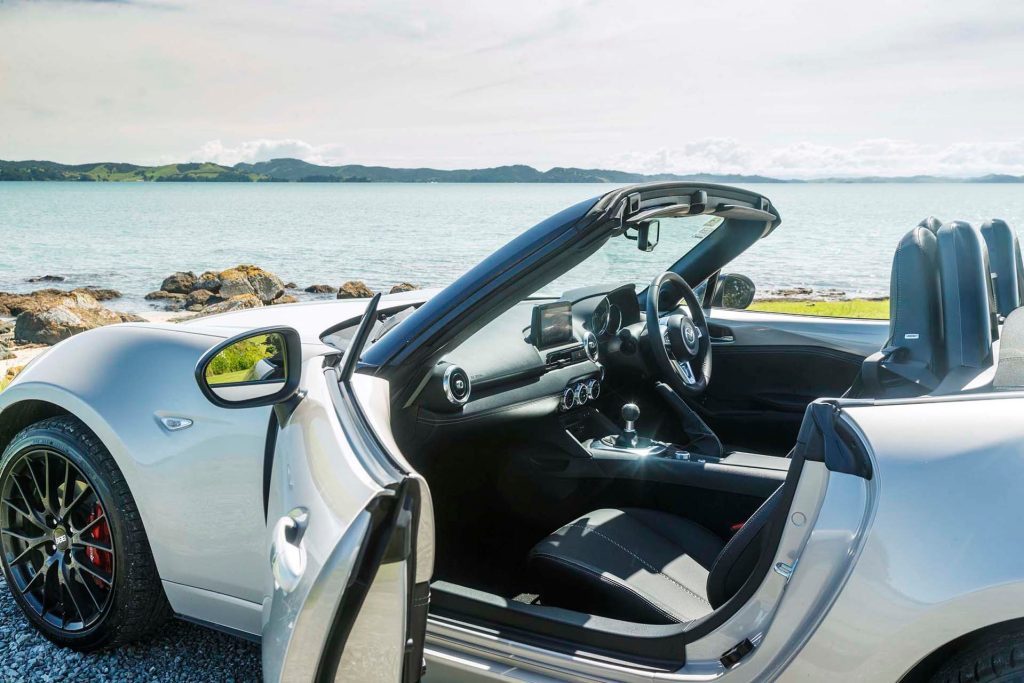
(246, 286)
(811, 294)
(44, 317)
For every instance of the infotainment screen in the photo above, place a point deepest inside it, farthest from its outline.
(552, 324)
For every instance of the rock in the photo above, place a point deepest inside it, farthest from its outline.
(806, 294)
(227, 284)
(354, 289)
(290, 285)
(6, 339)
(99, 293)
(46, 278)
(321, 289)
(284, 299)
(44, 299)
(209, 281)
(267, 286)
(172, 301)
(161, 295)
(245, 279)
(60, 322)
(179, 283)
(234, 284)
(403, 287)
(200, 298)
(235, 303)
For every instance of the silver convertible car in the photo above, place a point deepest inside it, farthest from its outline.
(491, 483)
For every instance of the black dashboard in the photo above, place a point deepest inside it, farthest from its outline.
(505, 370)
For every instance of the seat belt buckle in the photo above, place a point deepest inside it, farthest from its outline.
(736, 527)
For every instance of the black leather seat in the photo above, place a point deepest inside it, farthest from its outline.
(1006, 265)
(646, 566)
(912, 362)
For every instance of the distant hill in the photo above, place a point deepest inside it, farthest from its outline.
(297, 171)
(301, 171)
(114, 172)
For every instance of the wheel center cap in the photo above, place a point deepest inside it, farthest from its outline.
(61, 539)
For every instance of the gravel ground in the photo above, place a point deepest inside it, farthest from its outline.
(182, 652)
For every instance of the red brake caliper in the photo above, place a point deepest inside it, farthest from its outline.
(101, 559)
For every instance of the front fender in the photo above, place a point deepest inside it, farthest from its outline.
(198, 490)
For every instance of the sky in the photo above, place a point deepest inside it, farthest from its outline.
(789, 88)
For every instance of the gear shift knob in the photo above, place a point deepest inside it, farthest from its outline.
(630, 414)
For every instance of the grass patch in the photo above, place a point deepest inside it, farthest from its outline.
(850, 308)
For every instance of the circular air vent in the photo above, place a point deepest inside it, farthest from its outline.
(590, 346)
(456, 385)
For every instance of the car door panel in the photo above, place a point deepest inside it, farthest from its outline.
(347, 596)
(769, 366)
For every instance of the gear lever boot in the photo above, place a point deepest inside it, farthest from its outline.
(702, 439)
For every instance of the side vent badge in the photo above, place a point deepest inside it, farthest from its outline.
(175, 424)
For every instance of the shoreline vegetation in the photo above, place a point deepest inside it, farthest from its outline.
(871, 309)
(297, 171)
(32, 322)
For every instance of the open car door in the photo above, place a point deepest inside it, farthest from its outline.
(351, 538)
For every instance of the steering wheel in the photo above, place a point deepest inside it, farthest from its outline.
(680, 345)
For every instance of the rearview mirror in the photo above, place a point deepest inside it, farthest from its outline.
(733, 291)
(647, 235)
(257, 368)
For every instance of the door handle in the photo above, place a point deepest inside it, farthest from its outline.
(720, 334)
(287, 552)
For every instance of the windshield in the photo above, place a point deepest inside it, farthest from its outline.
(620, 261)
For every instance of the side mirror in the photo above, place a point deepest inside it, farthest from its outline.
(647, 235)
(733, 291)
(258, 368)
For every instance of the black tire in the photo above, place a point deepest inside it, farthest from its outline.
(996, 659)
(136, 604)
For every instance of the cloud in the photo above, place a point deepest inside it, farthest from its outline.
(252, 151)
(810, 160)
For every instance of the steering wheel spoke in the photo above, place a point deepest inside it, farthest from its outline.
(681, 347)
(687, 373)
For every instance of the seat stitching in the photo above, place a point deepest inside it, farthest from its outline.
(708, 535)
(645, 563)
(613, 582)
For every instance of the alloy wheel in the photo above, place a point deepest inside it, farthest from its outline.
(56, 540)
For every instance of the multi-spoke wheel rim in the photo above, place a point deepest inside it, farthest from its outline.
(56, 540)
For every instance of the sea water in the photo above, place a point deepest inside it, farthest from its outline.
(129, 236)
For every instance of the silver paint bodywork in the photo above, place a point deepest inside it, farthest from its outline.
(199, 490)
(886, 570)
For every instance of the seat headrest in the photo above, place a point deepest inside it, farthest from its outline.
(1004, 260)
(915, 309)
(932, 223)
(966, 296)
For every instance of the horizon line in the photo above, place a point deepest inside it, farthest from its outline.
(992, 177)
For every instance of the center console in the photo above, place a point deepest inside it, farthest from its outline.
(628, 443)
(603, 449)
